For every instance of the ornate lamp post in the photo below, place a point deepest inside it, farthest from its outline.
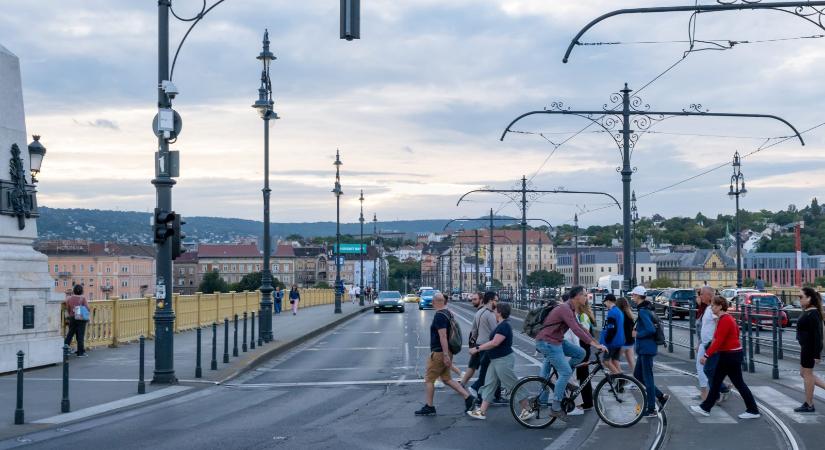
(361, 251)
(264, 106)
(378, 258)
(737, 188)
(339, 288)
(634, 217)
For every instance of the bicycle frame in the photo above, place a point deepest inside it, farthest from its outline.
(598, 367)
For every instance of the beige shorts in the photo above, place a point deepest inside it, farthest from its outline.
(436, 368)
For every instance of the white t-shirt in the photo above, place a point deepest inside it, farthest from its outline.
(708, 326)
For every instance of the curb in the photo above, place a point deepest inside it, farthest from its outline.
(284, 346)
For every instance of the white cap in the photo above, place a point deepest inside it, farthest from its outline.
(639, 290)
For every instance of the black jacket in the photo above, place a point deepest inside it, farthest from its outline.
(809, 331)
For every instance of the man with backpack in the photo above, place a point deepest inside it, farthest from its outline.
(444, 335)
(551, 343)
(649, 335)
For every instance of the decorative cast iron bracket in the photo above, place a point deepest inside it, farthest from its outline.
(17, 197)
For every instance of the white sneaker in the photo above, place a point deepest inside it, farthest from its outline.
(477, 414)
(746, 415)
(526, 414)
(576, 412)
(439, 384)
(698, 410)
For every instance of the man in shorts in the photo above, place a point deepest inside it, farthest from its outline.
(440, 360)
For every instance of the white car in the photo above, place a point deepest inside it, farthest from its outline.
(731, 293)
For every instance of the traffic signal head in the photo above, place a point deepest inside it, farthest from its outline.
(177, 237)
(164, 225)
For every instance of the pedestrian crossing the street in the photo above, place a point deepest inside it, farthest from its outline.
(688, 395)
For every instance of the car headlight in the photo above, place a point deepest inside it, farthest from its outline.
(400, 301)
(375, 302)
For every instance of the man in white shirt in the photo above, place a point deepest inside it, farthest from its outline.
(705, 328)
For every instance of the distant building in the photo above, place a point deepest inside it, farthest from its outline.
(311, 266)
(104, 269)
(596, 262)
(186, 273)
(779, 269)
(283, 264)
(407, 253)
(697, 268)
(232, 261)
(375, 269)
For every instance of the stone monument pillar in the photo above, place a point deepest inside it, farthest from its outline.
(29, 308)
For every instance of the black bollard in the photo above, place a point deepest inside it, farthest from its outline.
(758, 327)
(225, 340)
(214, 363)
(18, 412)
(244, 333)
(198, 371)
(64, 402)
(670, 329)
(141, 383)
(260, 338)
(235, 338)
(252, 336)
(775, 349)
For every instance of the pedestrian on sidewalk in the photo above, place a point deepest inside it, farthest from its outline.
(294, 298)
(501, 370)
(77, 310)
(485, 317)
(705, 329)
(278, 297)
(629, 341)
(472, 340)
(646, 349)
(612, 335)
(809, 335)
(352, 294)
(727, 351)
(440, 359)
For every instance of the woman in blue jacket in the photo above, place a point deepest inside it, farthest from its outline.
(612, 335)
(646, 349)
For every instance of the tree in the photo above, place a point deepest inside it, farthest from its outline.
(322, 285)
(820, 281)
(253, 282)
(661, 283)
(544, 278)
(748, 282)
(212, 282)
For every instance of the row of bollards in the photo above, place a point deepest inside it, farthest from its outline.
(213, 364)
(65, 405)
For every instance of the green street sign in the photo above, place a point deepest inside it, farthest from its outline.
(352, 248)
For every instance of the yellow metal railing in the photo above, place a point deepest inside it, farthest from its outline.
(123, 320)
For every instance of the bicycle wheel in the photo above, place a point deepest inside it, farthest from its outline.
(620, 400)
(532, 394)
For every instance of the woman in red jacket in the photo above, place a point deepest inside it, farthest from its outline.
(728, 351)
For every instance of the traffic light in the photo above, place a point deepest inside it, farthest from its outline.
(164, 225)
(177, 237)
(350, 19)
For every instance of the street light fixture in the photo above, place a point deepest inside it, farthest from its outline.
(361, 252)
(264, 106)
(336, 190)
(737, 188)
(36, 154)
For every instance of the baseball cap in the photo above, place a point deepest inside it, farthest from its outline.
(639, 290)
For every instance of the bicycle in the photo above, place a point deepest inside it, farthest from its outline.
(619, 399)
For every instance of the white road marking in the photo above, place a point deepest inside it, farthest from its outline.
(685, 394)
(106, 407)
(323, 383)
(783, 403)
(563, 440)
(793, 384)
(319, 349)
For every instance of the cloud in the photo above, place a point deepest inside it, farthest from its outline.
(100, 123)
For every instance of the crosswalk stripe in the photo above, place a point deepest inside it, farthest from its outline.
(819, 393)
(685, 393)
(783, 403)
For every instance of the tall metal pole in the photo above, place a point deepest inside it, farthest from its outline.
(164, 372)
(523, 283)
(627, 172)
(737, 188)
(738, 246)
(576, 250)
(492, 249)
(450, 279)
(378, 256)
(540, 243)
(460, 265)
(635, 217)
(264, 106)
(477, 278)
(338, 193)
(361, 251)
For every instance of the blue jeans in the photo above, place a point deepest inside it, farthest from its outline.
(644, 373)
(277, 306)
(556, 356)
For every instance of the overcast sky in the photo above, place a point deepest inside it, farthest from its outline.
(416, 106)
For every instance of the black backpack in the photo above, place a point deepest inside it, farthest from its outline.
(534, 322)
(660, 331)
(453, 335)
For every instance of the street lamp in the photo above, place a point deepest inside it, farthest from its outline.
(634, 217)
(737, 188)
(361, 251)
(377, 260)
(36, 154)
(339, 288)
(264, 106)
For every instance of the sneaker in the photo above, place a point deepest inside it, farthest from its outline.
(746, 415)
(477, 414)
(805, 408)
(81, 355)
(526, 415)
(663, 401)
(426, 410)
(576, 412)
(439, 384)
(651, 414)
(469, 402)
(698, 410)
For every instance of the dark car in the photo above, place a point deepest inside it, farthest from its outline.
(761, 308)
(426, 299)
(794, 310)
(680, 300)
(388, 301)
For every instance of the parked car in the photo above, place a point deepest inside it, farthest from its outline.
(388, 301)
(731, 293)
(763, 304)
(794, 310)
(679, 299)
(411, 298)
(426, 301)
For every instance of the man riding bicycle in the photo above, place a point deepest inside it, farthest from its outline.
(551, 343)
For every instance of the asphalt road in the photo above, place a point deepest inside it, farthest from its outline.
(357, 386)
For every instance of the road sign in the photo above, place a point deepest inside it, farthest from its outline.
(352, 248)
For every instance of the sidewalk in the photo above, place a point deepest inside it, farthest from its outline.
(111, 374)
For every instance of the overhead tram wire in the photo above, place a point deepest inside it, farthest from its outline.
(730, 42)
